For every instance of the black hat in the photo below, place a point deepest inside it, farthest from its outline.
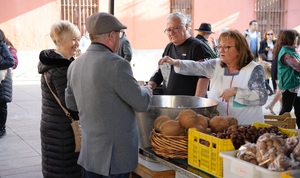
(205, 27)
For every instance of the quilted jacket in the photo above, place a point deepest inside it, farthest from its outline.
(58, 157)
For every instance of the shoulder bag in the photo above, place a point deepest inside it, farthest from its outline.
(74, 123)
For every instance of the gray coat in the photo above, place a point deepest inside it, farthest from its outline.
(102, 88)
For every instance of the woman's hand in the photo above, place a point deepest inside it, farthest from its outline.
(168, 60)
(228, 93)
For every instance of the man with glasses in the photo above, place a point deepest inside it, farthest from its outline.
(102, 88)
(253, 38)
(182, 46)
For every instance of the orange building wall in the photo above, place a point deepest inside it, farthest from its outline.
(230, 13)
(27, 24)
(293, 14)
(145, 21)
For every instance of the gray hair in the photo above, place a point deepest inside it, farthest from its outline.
(100, 37)
(183, 18)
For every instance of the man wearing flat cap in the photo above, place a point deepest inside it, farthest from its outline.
(204, 32)
(101, 87)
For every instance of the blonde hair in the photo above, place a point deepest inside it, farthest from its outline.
(100, 37)
(266, 33)
(61, 30)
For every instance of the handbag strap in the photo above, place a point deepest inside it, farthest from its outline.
(57, 99)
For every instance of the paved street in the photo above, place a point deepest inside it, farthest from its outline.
(20, 153)
(20, 149)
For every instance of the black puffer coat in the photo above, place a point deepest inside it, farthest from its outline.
(58, 157)
(6, 62)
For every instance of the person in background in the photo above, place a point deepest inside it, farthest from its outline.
(267, 69)
(6, 62)
(289, 72)
(266, 46)
(84, 42)
(204, 32)
(298, 46)
(12, 49)
(215, 41)
(236, 81)
(125, 50)
(253, 38)
(102, 88)
(182, 46)
(57, 138)
(278, 93)
(277, 97)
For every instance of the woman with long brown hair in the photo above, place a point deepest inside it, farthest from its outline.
(236, 81)
(289, 72)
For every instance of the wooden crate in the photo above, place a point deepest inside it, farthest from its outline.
(284, 121)
(145, 172)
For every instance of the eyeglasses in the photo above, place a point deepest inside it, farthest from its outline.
(174, 30)
(225, 48)
(269, 33)
(121, 33)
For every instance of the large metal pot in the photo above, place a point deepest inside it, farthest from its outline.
(171, 106)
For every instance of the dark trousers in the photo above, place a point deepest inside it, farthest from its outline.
(3, 114)
(94, 175)
(274, 83)
(290, 100)
(268, 86)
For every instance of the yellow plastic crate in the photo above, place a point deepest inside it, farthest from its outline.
(203, 152)
(285, 120)
(288, 132)
(204, 149)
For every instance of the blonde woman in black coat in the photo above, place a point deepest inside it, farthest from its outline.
(266, 47)
(58, 157)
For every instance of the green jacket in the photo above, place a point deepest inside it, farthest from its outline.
(287, 76)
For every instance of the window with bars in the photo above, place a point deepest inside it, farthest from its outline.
(270, 15)
(183, 6)
(76, 11)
